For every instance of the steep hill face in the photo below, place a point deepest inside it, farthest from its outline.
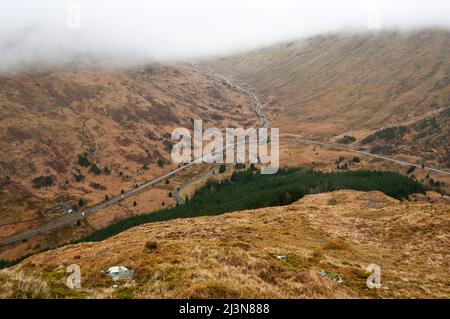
(71, 135)
(319, 247)
(428, 139)
(336, 85)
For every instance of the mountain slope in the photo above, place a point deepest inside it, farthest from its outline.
(66, 136)
(318, 247)
(336, 85)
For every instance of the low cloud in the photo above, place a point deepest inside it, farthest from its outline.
(49, 33)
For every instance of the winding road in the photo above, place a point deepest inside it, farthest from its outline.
(364, 153)
(177, 193)
(265, 123)
(78, 216)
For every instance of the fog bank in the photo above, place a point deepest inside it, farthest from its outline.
(50, 33)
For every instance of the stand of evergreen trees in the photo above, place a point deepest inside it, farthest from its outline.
(250, 190)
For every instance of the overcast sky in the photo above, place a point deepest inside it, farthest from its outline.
(45, 32)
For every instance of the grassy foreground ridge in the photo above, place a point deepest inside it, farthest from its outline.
(248, 189)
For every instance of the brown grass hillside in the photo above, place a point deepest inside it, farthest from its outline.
(319, 247)
(120, 121)
(330, 86)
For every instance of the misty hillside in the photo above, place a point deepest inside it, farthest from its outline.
(336, 85)
(225, 150)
